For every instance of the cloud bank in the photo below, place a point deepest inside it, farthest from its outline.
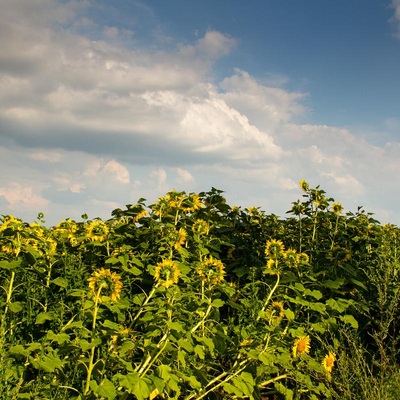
(92, 118)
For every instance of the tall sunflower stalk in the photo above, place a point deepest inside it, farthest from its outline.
(100, 280)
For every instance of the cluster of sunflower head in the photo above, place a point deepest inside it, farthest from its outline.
(17, 236)
(175, 201)
(210, 270)
(278, 258)
(302, 346)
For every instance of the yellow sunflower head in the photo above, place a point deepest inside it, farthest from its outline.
(180, 238)
(107, 283)
(291, 258)
(192, 203)
(271, 267)
(97, 231)
(276, 312)
(166, 273)
(337, 208)
(301, 346)
(274, 248)
(141, 213)
(302, 258)
(211, 270)
(304, 185)
(328, 362)
(200, 227)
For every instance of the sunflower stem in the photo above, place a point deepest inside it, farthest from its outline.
(269, 297)
(143, 305)
(92, 350)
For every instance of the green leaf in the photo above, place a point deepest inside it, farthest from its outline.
(164, 372)
(142, 389)
(106, 389)
(47, 363)
(16, 307)
(231, 389)
(10, 264)
(85, 345)
(314, 293)
(289, 314)
(245, 383)
(181, 358)
(207, 341)
(199, 351)
(60, 338)
(128, 381)
(43, 317)
(62, 282)
(111, 325)
(125, 347)
(349, 319)
(19, 350)
(319, 307)
(333, 284)
(217, 303)
(193, 382)
(339, 305)
(176, 326)
(288, 393)
(185, 345)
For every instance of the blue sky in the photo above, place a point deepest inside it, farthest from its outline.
(104, 102)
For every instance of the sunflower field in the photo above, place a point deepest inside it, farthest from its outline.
(190, 298)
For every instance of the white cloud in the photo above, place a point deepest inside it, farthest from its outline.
(264, 105)
(22, 198)
(49, 156)
(159, 175)
(119, 122)
(184, 176)
(395, 19)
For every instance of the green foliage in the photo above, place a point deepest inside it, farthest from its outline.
(190, 298)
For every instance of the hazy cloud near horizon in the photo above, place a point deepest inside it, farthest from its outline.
(91, 118)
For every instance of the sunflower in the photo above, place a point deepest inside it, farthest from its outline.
(291, 258)
(117, 339)
(107, 280)
(337, 207)
(328, 362)
(97, 231)
(181, 238)
(276, 312)
(200, 227)
(302, 258)
(304, 185)
(274, 248)
(142, 213)
(301, 346)
(271, 266)
(166, 273)
(9, 221)
(211, 270)
(192, 203)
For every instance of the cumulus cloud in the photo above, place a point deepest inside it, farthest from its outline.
(90, 121)
(395, 19)
(22, 198)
